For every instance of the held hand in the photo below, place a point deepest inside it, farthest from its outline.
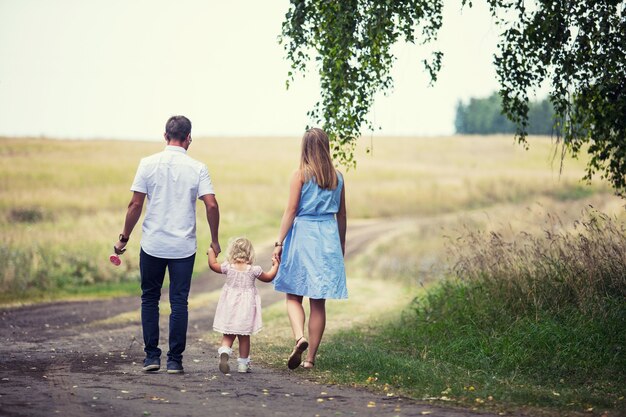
(216, 248)
(275, 260)
(278, 250)
(211, 254)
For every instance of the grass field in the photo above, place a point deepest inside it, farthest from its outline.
(62, 205)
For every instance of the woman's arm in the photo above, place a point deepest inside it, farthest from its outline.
(213, 264)
(342, 219)
(295, 187)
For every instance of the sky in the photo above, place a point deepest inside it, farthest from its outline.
(117, 69)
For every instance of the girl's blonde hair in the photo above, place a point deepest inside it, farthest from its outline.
(315, 160)
(240, 250)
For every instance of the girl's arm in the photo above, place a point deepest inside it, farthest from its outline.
(295, 187)
(269, 275)
(342, 219)
(213, 264)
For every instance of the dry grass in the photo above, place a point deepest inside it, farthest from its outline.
(419, 254)
(581, 266)
(62, 202)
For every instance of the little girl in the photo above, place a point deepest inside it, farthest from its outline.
(238, 313)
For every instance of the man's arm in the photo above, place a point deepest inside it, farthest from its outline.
(132, 216)
(213, 217)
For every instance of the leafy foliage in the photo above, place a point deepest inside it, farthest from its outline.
(352, 40)
(484, 116)
(579, 46)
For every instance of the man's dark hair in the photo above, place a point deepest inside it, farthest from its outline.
(177, 128)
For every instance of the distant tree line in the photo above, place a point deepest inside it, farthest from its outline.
(484, 116)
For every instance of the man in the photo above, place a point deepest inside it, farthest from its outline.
(172, 181)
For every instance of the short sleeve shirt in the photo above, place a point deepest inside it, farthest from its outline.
(172, 181)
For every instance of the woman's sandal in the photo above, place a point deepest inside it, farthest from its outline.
(296, 356)
(310, 366)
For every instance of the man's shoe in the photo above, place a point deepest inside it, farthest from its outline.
(174, 367)
(151, 364)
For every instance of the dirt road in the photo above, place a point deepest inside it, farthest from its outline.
(61, 359)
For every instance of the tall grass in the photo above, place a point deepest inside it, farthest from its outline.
(524, 320)
(583, 268)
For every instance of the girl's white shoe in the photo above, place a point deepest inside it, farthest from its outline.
(224, 367)
(243, 365)
(224, 352)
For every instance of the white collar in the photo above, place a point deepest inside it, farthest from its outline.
(175, 148)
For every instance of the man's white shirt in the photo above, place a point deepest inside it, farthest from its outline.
(172, 181)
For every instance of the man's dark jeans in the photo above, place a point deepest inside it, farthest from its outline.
(152, 274)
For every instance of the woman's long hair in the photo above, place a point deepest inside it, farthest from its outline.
(315, 161)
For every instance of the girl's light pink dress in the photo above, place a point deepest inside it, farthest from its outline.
(239, 308)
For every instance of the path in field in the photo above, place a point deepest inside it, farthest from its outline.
(65, 359)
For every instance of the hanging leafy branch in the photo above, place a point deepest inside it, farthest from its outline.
(578, 46)
(352, 40)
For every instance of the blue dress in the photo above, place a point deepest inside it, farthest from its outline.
(312, 262)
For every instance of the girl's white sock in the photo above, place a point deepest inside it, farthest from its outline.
(225, 349)
(243, 360)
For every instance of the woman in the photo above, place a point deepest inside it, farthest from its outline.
(311, 242)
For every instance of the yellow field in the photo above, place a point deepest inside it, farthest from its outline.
(62, 203)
